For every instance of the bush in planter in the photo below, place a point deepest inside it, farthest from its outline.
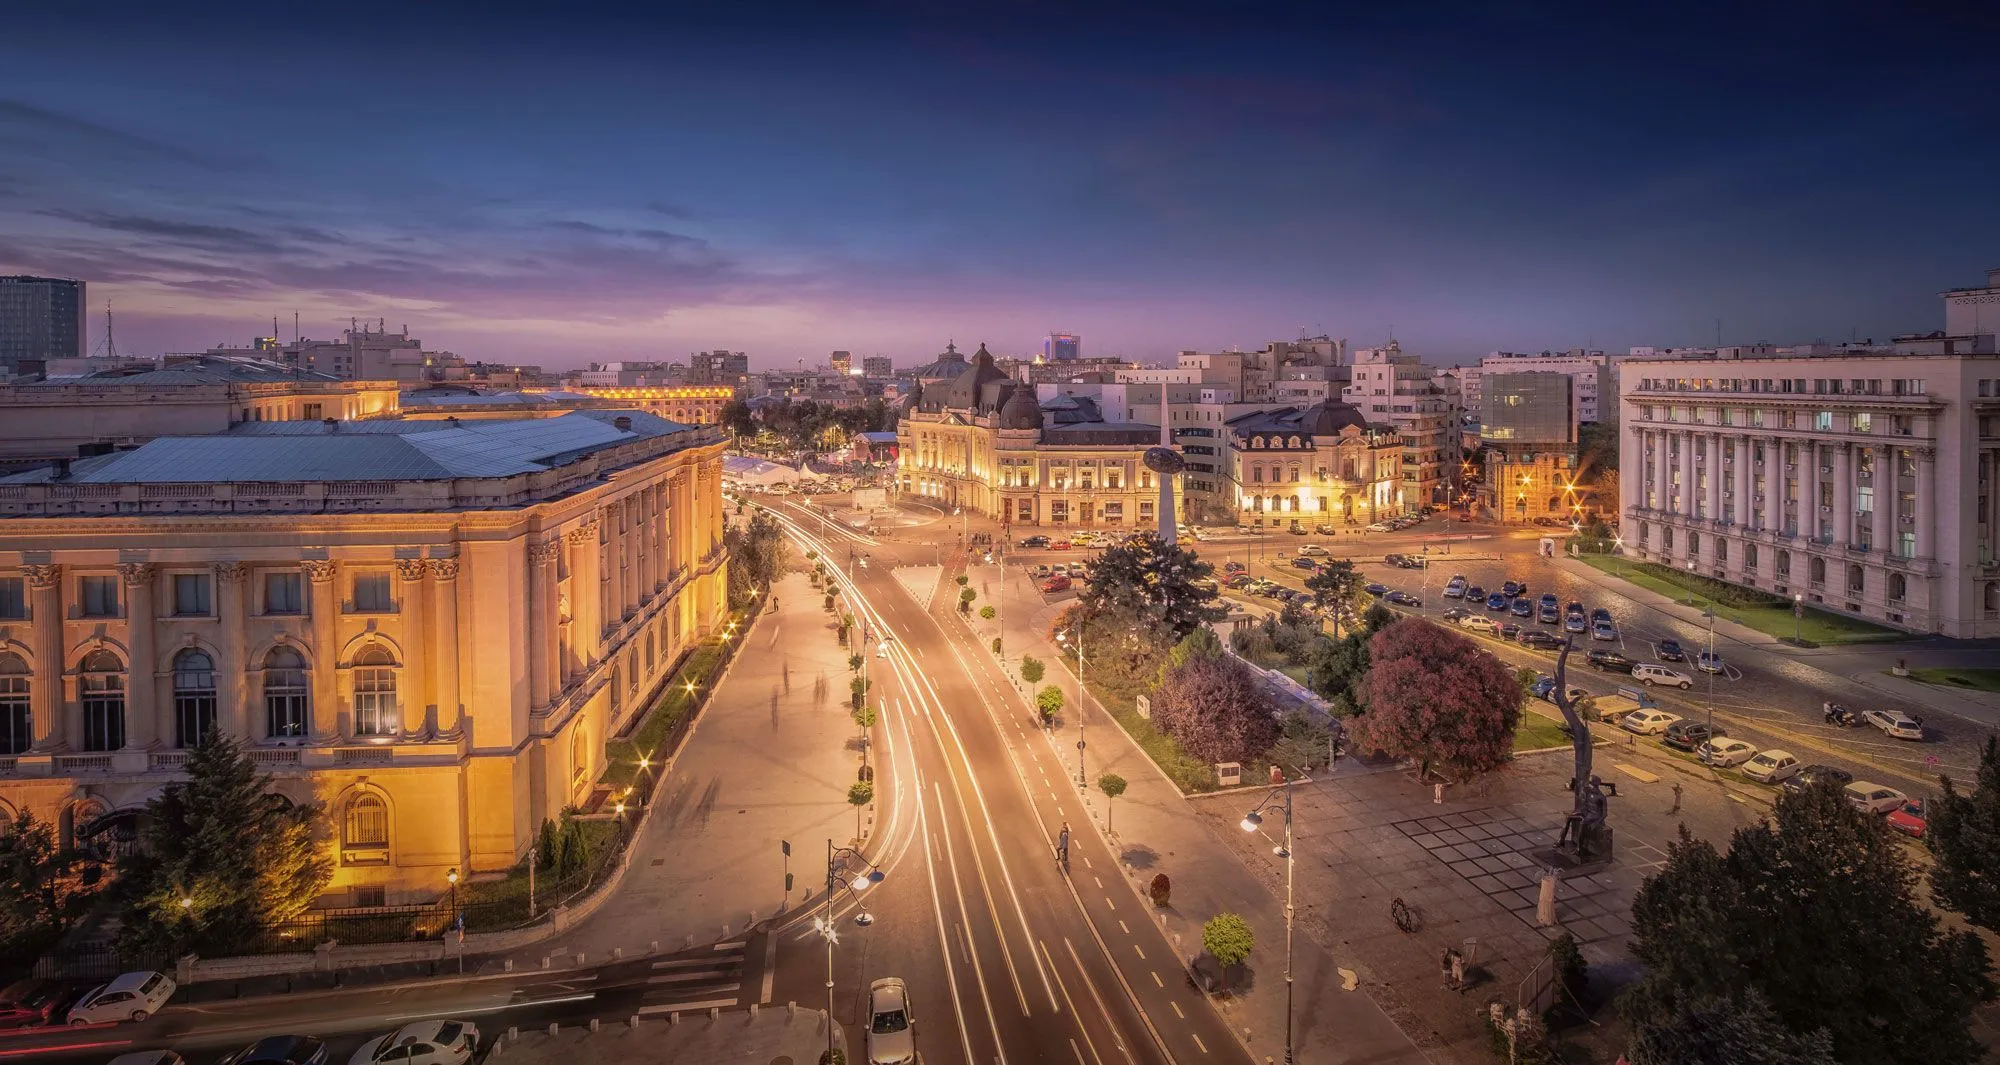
(996, 645)
(1570, 966)
(963, 579)
(965, 599)
(1160, 890)
(988, 613)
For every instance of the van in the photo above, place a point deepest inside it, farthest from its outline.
(1650, 674)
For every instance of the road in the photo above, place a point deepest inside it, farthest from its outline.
(1010, 957)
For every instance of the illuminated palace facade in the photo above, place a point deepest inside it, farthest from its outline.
(686, 404)
(983, 440)
(1322, 463)
(429, 628)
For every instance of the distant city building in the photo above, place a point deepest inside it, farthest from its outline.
(41, 318)
(1062, 347)
(687, 404)
(1387, 384)
(841, 362)
(1864, 482)
(1528, 435)
(361, 354)
(1594, 372)
(606, 374)
(718, 368)
(879, 367)
(429, 628)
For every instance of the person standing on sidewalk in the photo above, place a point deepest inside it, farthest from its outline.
(1677, 798)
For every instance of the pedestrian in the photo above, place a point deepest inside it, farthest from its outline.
(1457, 970)
(1444, 967)
(1062, 845)
(1677, 798)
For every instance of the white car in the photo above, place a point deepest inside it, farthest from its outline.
(1725, 753)
(1381, 526)
(1314, 551)
(1649, 674)
(131, 997)
(421, 1043)
(1603, 631)
(1772, 766)
(891, 1036)
(1456, 588)
(1648, 722)
(1895, 723)
(1872, 798)
(1480, 623)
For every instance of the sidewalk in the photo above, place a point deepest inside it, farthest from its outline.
(1692, 615)
(770, 759)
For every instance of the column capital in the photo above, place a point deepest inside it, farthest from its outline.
(1926, 454)
(411, 569)
(230, 572)
(444, 569)
(543, 552)
(585, 533)
(43, 575)
(137, 573)
(320, 570)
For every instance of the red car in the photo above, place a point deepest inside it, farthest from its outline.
(1059, 545)
(1909, 818)
(1233, 567)
(1057, 583)
(27, 1003)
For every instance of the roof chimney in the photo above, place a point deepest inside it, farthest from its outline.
(332, 424)
(621, 422)
(62, 470)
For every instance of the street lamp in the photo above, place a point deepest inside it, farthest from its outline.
(1798, 618)
(836, 861)
(452, 878)
(1251, 822)
(1063, 638)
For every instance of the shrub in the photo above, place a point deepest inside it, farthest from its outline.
(1160, 890)
(1032, 669)
(996, 645)
(1049, 701)
(988, 613)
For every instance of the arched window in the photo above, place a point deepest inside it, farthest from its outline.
(102, 685)
(1816, 570)
(1899, 586)
(1784, 563)
(17, 724)
(194, 697)
(364, 830)
(1694, 544)
(579, 754)
(375, 712)
(1294, 442)
(1257, 441)
(1749, 556)
(1855, 580)
(287, 694)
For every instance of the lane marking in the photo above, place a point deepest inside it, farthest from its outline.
(1122, 928)
(951, 976)
(671, 1007)
(1177, 1009)
(1140, 953)
(1091, 986)
(1199, 1043)
(1099, 883)
(1108, 902)
(1157, 982)
(1060, 982)
(770, 966)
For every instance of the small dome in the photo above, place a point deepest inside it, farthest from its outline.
(945, 367)
(966, 390)
(1328, 418)
(1022, 410)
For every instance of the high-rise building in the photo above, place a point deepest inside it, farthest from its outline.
(880, 367)
(1062, 347)
(41, 318)
(1593, 372)
(1529, 436)
(718, 367)
(841, 362)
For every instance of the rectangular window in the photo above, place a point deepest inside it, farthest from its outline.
(191, 595)
(1864, 422)
(284, 593)
(98, 596)
(312, 412)
(1906, 545)
(13, 598)
(371, 594)
(1823, 421)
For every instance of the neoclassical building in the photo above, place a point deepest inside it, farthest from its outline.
(1319, 463)
(429, 627)
(983, 440)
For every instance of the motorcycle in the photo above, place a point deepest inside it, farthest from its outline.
(1836, 714)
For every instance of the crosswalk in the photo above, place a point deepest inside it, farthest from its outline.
(719, 977)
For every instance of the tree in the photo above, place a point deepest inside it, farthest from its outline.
(1216, 709)
(1814, 910)
(1963, 832)
(1435, 698)
(1302, 742)
(1032, 669)
(1228, 939)
(1735, 1030)
(1335, 667)
(1377, 617)
(854, 663)
(1146, 576)
(864, 719)
(42, 891)
(1049, 701)
(243, 859)
(987, 613)
(1333, 582)
(965, 598)
(1112, 785)
(735, 417)
(859, 794)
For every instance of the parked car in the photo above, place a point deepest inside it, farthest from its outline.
(1669, 651)
(1895, 723)
(1237, 580)
(1413, 562)
(1380, 526)
(1402, 598)
(1872, 798)
(1376, 590)
(1057, 583)
(1649, 674)
(1324, 528)
(27, 1003)
(1574, 623)
(1059, 545)
(1603, 631)
(1475, 594)
(1548, 615)
(1725, 753)
(1392, 560)
(1455, 588)
(421, 1043)
(1600, 614)
(1543, 685)
(1038, 572)
(1479, 623)
(1648, 722)
(1537, 640)
(1508, 631)
(1313, 549)
(1910, 819)
(1522, 608)
(1709, 662)
(280, 1050)
(1510, 589)
(131, 997)
(1304, 562)
(1806, 777)
(149, 1057)
(1234, 567)
(1496, 601)
(1456, 613)
(1610, 662)
(1772, 767)
(891, 1026)
(1688, 736)
(1576, 694)
(1549, 599)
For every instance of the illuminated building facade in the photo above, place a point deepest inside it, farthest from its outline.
(1527, 431)
(1323, 463)
(429, 628)
(686, 404)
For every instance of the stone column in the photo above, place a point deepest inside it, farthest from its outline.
(1711, 445)
(1843, 495)
(581, 542)
(1927, 503)
(551, 649)
(325, 648)
(1743, 468)
(628, 555)
(412, 601)
(663, 530)
(1774, 484)
(444, 645)
(235, 666)
(642, 548)
(48, 706)
(1885, 500)
(1809, 490)
(541, 613)
(142, 690)
(1659, 502)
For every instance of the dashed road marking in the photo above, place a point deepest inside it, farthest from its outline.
(1108, 902)
(1177, 1009)
(1140, 953)
(1157, 982)
(1199, 1043)
(1122, 928)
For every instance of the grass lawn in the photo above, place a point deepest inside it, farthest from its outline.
(1297, 673)
(1538, 733)
(1187, 772)
(1980, 679)
(1761, 611)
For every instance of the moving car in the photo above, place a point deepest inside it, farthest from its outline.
(1402, 598)
(1708, 662)
(1035, 541)
(1610, 662)
(1376, 590)
(1576, 694)
(1805, 778)
(1725, 753)
(1895, 723)
(1379, 526)
(1910, 819)
(1648, 722)
(421, 1043)
(1688, 735)
(131, 997)
(1392, 560)
(1479, 623)
(1313, 549)
(1304, 562)
(1234, 567)
(1670, 651)
(1324, 528)
(1456, 613)
(1649, 674)
(1872, 798)
(27, 1003)
(280, 1050)
(1496, 601)
(1059, 545)
(1237, 580)
(891, 1028)
(1772, 767)
(149, 1057)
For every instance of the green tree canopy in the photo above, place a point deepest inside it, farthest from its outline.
(1228, 939)
(1049, 701)
(1147, 577)
(1032, 669)
(1742, 1030)
(1963, 832)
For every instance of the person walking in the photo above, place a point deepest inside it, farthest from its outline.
(1062, 846)
(1677, 798)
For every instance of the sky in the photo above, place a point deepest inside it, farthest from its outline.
(561, 184)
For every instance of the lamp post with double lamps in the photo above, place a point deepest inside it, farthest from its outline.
(836, 868)
(1280, 797)
(1063, 638)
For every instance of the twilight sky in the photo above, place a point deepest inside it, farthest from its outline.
(563, 183)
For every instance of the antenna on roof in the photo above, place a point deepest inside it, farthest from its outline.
(110, 345)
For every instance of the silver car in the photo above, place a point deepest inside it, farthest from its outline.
(891, 1029)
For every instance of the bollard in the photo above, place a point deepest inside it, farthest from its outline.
(514, 1032)
(554, 1027)
(725, 931)
(753, 920)
(715, 1013)
(617, 953)
(593, 1024)
(546, 959)
(632, 1021)
(690, 944)
(791, 1008)
(579, 959)
(507, 966)
(655, 947)
(753, 1011)
(1545, 902)
(674, 1017)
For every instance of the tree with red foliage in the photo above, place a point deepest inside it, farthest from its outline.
(1215, 708)
(1438, 699)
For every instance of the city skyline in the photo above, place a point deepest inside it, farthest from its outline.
(636, 186)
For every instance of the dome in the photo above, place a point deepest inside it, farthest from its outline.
(1329, 417)
(945, 367)
(1022, 410)
(968, 388)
